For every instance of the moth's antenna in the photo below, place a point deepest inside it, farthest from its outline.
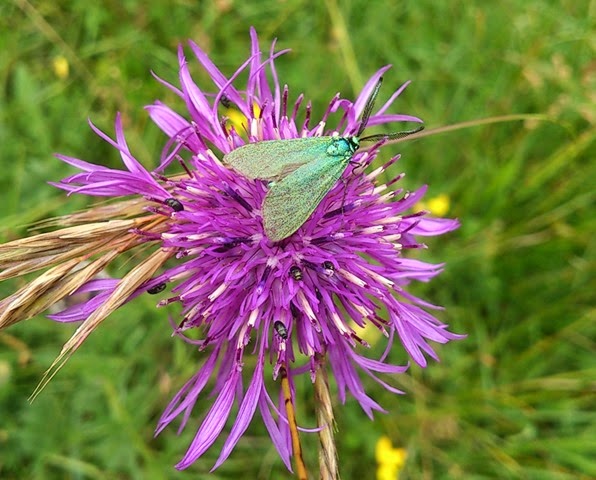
(368, 107)
(391, 136)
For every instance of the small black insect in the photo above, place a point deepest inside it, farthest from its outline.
(296, 273)
(281, 329)
(225, 101)
(160, 287)
(327, 265)
(174, 204)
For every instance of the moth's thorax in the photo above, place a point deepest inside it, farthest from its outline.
(343, 146)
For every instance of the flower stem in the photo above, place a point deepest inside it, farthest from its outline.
(301, 472)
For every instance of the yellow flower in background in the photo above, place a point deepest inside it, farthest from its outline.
(390, 461)
(437, 206)
(237, 119)
(60, 67)
(369, 333)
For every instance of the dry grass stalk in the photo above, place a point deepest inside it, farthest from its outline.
(325, 420)
(125, 288)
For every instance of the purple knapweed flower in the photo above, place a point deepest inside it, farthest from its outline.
(301, 297)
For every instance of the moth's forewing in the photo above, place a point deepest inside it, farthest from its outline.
(290, 202)
(275, 159)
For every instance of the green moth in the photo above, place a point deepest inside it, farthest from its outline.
(302, 171)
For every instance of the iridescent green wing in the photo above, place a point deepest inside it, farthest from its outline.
(290, 202)
(275, 159)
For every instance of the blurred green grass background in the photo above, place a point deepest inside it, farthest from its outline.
(515, 400)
